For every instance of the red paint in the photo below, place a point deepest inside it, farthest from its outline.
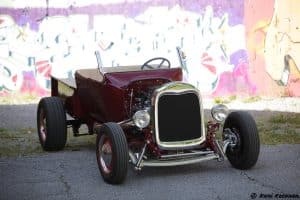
(205, 61)
(15, 78)
(212, 129)
(44, 68)
(108, 101)
(123, 79)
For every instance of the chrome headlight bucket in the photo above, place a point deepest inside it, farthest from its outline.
(219, 112)
(141, 118)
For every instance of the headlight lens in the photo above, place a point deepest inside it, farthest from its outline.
(219, 112)
(141, 118)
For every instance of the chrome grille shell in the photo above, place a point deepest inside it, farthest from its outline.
(176, 88)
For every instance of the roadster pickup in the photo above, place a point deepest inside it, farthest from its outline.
(144, 116)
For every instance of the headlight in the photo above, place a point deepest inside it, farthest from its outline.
(219, 112)
(141, 118)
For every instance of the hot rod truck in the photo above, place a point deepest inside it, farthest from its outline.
(144, 115)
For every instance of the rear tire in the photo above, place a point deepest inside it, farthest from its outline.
(112, 153)
(51, 124)
(245, 154)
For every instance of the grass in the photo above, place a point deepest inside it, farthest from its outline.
(280, 129)
(26, 142)
(293, 119)
(251, 99)
(225, 100)
(18, 143)
(229, 99)
(18, 98)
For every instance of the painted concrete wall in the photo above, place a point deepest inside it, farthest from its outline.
(273, 46)
(236, 47)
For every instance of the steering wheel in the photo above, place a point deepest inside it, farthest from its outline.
(163, 60)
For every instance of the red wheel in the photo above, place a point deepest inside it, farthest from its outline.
(105, 154)
(42, 127)
(112, 153)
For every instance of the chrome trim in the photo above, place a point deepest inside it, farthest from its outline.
(99, 61)
(182, 59)
(132, 157)
(193, 160)
(219, 108)
(146, 114)
(230, 139)
(220, 151)
(182, 155)
(177, 88)
(126, 122)
(226, 143)
(139, 161)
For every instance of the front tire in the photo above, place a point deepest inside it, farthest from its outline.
(245, 154)
(51, 124)
(112, 153)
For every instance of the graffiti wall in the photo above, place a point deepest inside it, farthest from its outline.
(273, 46)
(230, 45)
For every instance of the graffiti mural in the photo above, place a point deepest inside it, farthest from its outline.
(282, 45)
(40, 38)
(272, 40)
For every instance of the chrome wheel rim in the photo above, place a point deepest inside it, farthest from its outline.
(237, 142)
(42, 126)
(105, 154)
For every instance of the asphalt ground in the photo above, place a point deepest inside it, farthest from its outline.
(75, 175)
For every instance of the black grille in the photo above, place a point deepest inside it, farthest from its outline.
(179, 117)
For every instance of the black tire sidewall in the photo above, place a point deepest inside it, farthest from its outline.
(56, 129)
(120, 155)
(246, 157)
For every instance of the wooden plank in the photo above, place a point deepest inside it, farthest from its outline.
(68, 81)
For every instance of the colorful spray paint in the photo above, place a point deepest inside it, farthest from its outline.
(224, 41)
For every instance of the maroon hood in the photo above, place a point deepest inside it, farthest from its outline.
(123, 79)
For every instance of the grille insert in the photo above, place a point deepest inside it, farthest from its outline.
(179, 117)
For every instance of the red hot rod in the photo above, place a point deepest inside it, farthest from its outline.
(146, 116)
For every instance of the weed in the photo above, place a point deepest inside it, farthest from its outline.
(18, 98)
(25, 141)
(292, 118)
(280, 129)
(251, 99)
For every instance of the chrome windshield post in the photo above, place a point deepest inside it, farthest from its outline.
(99, 61)
(182, 59)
